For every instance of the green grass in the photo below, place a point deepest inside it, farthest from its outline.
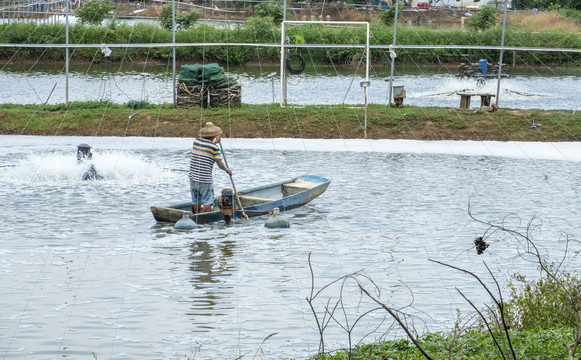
(409, 122)
(471, 345)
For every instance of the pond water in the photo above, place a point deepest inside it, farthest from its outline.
(85, 269)
(528, 88)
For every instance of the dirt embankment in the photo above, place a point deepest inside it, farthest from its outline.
(334, 11)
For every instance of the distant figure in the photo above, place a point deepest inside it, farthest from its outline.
(84, 154)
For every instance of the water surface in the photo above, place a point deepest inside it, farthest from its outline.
(528, 88)
(85, 268)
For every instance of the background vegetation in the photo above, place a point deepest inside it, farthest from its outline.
(257, 30)
(183, 21)
(94, 12)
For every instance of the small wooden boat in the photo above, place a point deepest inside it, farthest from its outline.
(284, 195)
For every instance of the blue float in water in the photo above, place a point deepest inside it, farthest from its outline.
(185, 223)
(276, 220)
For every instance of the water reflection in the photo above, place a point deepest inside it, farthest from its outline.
(210, 265)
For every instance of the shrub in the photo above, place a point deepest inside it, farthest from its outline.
(387, 17)
(269, 10)
(94, 11)
(183, 21)
(484, 19)
(544, 303)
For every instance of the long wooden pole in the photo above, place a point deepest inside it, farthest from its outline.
(232, 181)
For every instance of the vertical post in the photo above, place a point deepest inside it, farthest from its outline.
(272, 83)
(366, 88)
(392, 53)
(365, 85)
(501, 52)
(282, 63)
(173, 41)
(284, 11)
(67, 54)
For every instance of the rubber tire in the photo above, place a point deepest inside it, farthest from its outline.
(295, 70)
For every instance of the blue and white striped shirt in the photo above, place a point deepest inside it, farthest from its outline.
(204, 154)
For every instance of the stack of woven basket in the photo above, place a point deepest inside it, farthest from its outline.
(200, 84)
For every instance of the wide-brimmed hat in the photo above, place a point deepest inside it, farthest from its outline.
(210, 130)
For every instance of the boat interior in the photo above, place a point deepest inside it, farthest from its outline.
(275, 193)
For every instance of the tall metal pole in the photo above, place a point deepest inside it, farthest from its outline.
(392, 52)
(366, 83)
(67, 54)
(501, 53)
(173, 41)
(284, 11)
(282, 63)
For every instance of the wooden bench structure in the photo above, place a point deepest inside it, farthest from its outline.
(466, 96)
(247, 200)
(288, 189)
(295, 187)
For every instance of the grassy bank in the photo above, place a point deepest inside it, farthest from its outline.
(272, 121)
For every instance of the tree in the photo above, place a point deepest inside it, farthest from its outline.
(484, 19)
(387, 17)
(183, 21)
(269, 10)
(94, 11)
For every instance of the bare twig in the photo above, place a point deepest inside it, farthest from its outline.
(400, 322)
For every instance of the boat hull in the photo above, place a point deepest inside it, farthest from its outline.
(284, 195)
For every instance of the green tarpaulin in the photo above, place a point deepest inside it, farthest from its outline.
(212, 75)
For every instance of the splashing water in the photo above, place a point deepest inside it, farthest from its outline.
(512, 90)
(59, 168)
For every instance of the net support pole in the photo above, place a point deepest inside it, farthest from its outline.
(365, 84)
(282, 63)
(67, 54)
(501, 53)
(173, 41)
(283, 51)
(391, 55)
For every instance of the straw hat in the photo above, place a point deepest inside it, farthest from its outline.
(210, 130)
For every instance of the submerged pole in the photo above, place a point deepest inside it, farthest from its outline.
(392, 53)
(501, 53)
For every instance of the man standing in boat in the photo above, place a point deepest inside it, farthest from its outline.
(205, 152)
